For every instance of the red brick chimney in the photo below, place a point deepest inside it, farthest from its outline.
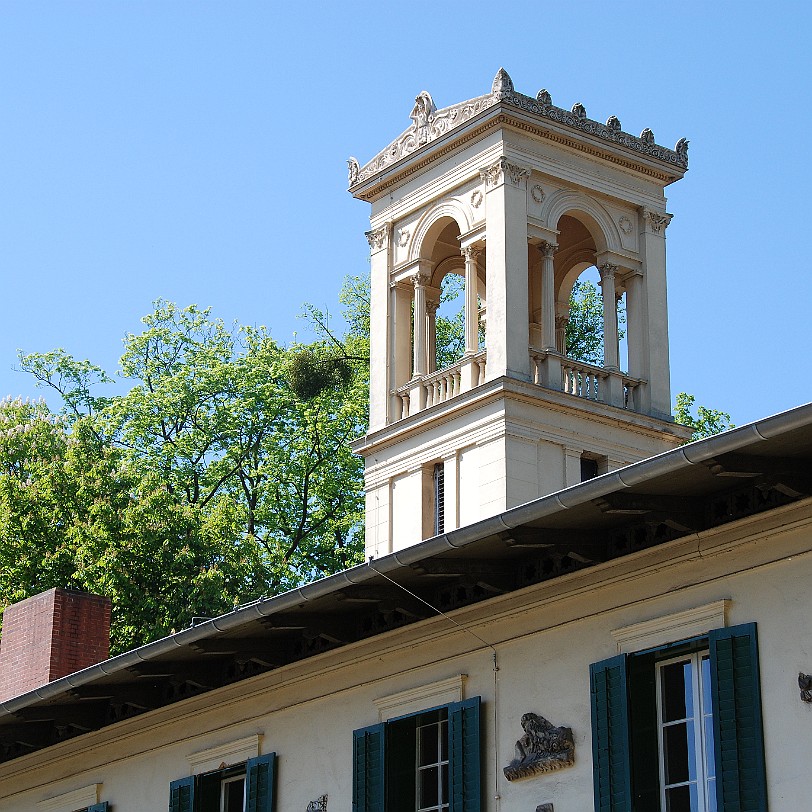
(49, 636)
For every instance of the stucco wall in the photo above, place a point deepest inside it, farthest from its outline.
(544, 639)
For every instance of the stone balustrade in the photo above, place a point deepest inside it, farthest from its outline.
(438, 387)
(555, 371)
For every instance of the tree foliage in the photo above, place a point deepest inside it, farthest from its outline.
(222, 474)
(705, 423)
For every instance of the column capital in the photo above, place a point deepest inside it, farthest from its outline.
(378, 238)
(471, 252)
(547, 249)
(655, 221)
(432, 305)
(503, 171)
(608, 270)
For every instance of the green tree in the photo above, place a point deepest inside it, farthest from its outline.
(214, 470)
(705, 423)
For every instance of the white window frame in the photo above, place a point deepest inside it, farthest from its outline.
(702, 717)
(232, 779)
(441, 727)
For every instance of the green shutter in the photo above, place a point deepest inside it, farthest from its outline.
(611, 771)
(741, 784)
(182, 795)
(368, 769)
(464, 774)
(102, 807)
(260, 775)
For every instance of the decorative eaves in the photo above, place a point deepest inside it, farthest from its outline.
(429, 124)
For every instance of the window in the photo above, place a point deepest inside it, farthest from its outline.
(245, 788)
(424, 762)
(102, 807)
(678, 729)
(439, 499)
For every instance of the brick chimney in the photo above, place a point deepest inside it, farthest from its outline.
(49, 636)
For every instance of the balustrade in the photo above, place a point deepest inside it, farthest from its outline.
(440, 386)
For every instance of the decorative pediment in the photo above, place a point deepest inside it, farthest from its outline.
(429, 124)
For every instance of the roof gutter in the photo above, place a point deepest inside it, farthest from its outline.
(668, 462)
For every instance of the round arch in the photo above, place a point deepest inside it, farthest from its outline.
(589, 212)
(432, 223)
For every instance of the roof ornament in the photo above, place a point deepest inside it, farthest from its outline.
(682, 148)
(502, 84)
(353, 171)
(613, 123)
(579, 110)
(544, 97)
(647, 136)
(422, 115)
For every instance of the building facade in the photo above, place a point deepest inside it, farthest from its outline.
(630, 641)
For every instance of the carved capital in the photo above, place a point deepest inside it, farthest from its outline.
(607, 271)
(377, 237)
(503, 170)
(431, 306)
(421, 279)
(547, 249)
(655, 221)
(561, 322)
(471, 252)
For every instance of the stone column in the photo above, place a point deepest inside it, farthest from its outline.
(379, 382)
(562, 319)
(652, 252)
(637, 339)
(431, 329)
(610, 345)
(420, 323)
(508, 304)
(471, 253)
(401, 360)
(548, 250)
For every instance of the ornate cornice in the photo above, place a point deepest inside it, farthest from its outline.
(429, 124)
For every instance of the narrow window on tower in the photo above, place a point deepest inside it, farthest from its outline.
(439, 499)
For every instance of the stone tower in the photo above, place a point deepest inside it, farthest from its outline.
(518, 197)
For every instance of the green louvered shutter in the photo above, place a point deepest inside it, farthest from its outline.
(741, 784)
(260, 776)
(464, 770)
(182, 795)
(368, 769)
(102, 807)
(611, 771)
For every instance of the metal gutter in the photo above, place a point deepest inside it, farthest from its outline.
(669, 462)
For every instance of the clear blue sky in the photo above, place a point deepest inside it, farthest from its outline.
(196, 151)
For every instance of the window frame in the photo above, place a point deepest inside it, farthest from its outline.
(619, 781)
(377, 769)
(190, 795)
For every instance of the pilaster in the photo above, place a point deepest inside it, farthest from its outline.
(506, 226)
(379, 243)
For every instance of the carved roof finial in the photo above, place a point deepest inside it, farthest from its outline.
(682, 148)
(502, 83)
(647, 136)
(579, 110)
(353, 170)
(613, 123)
(544, 97)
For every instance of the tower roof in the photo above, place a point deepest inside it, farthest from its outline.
(430, 125)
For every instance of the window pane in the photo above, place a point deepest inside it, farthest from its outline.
(682, 799)
(677, 691)
(676, 747)
(444, 740)
(429, 788)
(427, 745)
(233, 795)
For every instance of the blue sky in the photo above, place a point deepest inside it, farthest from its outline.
(195, 151)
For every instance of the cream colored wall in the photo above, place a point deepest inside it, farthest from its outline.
(518, 458)
(544, 637)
